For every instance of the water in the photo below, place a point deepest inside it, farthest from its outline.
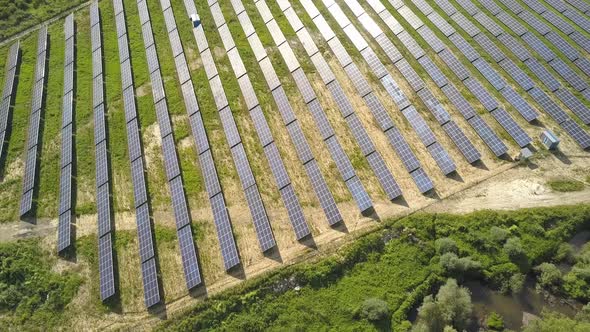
(511, 308)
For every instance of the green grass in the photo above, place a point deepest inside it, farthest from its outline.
(565, 185)
(18, 15)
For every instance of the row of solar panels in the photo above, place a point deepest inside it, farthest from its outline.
(523, 80)
(103, 185)
(318, 183)
(318, 114)
(12, 67)
(359, 133)
(142, 211)
(261, 127)
(30, 177)
(580, 5)
(64, 234)
(183, 228)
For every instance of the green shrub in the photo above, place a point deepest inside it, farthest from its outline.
(495, 322)
(549, 275)
(452, 307)
(498, 235)
(565, 185)
(445, 245)
(374, 310)
(513, 248)
(454, 265)
(564, 253)
(516, 283)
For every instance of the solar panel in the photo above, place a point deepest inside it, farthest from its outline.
(67, 108)
(359, 194)
(487, 134)
(511, 23)
(260, 219)
(190, 99)
(584, 65)
(459, 101)
(236, 62)
(410, 75)
(577, 133)
(261, 126)
(170, 157)
(289, 57)
(521, 78)
(144, 233)
(527, 112)
(563, 46)
(303, 85)
(395, 92)
(558, 22)
(468, 6)
(548, 105)
(454, 64)
(390, 50)
(269, 73)
(324, 28)
(283, 105)
(138, 178)
(391, 22)
(489, 73)
(485, 43)
(374, 63)
(103, 209)
(437, 76)
(340, 98)
(225, 236)
(64, 232)
(66, 150)
(218, 92)
(357, 78)
(105, 267)
(40, 67)
(581, 40)
(439, 112)
(568, 74)
(491, 6)
(295, 212)
(468, 150)
(433, 41)
(248, 93)
(420, 126)
(513, 129)
(422, 180)
(182, 69)
(423, 6)
(340, 158)
(489, 24)
(484, 97)
(169, 19)
(324, 195)
(535, 23)
(65, 189)
(188, 254)
(411, 44)
(151, 289)
(442, 158)
(537, 45)
(574, 104)
(537, 7)
(386, 179)
(307, 42)
(410, 17)
(360, 134)
(543, 75)
(446, 6)
(229, 127)
(463, 46)
(465, 24)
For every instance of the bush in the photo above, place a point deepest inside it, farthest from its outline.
(565, 185)
(452, 308)
(516, 283)
(498, 235)
(549, 275)
(374, 310)
(564, 253)
(495, 322)
(513, 248)
(452, 264)
(445, 245)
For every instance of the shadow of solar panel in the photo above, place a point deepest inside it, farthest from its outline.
(431, 39)
(484, 97)
(65, 191)
(138, 178)
(489, 73)
(402, 148)
(513, 129)
(103, 209)
(521, 78)
(463, 143)
(577, 133)
(386, 179)
(64, 232)
(574, 104)
(283, 105)
(543, 75)
(260, 219)
(527, 112)
(323, 193)
(422, 180)
(188, 254)
(458, 101)
(105, 267)
(374, 63)
(486, 44)
(295, 212)
(151, 290)
(420, 126)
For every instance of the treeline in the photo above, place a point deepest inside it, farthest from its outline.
(18, 15)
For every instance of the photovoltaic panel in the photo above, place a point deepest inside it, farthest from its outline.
(138, 178)
(584, 65)
(340, 98)
(276, 165)
(379, 113)
(102, 175)
(422, 180)
(262, 128)
(454, 64)
(411, 44)
(66, 150)
(465, 24)
(395, 92)
(357, 78)
(410, 75)
(535, 23)
(489, 73)
(182, 69)
(144, 233)
(105, 267)
(420, 126)
(435, 107)
(548, 105)
(188, 255)
(513, 129)
(261, 224)
(243, 166)
(359, 194)
(543, 75)
(340, 158)
(324, 195)
(170, 157)
(442, 158)
(190, 99)
(568, 74)
(485, 43)
(460, 103)
(537, 45)
(446, 6)
(577, 133)
(511, 23)
(133, 140)
(488, 136)
(360, 134)
(581, 40)
(463, 143)
(103, 210)
(209, 173)
(295, 212)
(151, 290)
(463, 46)
(169, 18)
(437, 76)
(283, 105)
(229, 127)
(374, 63)
(236, 62)
(521, 78)
(269, 73)
(558, 22)
(218, 93)
(574, 104)
(527, 112)
(433, 41)
(246, 23)
(570, 52)
(386, 179)
(64, 234)
(491, 6)
(484, 97)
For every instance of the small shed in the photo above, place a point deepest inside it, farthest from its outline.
(525, 154)
(549, 140)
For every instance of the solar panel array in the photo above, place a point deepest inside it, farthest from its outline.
(37, 103)
(439, 112)
(188, 255)
(12, 68)
(472, 84)
(282, 179)
(324, 127)
(149, 272)
(64, 234)
(376, 162)
(525, 82)
(208, 169)
(257, 210)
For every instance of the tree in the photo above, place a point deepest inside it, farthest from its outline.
(430, 316)
(454, 265)
(516, 283)
(445, 245)
(374, 310)
(498, 234)
(451, 308)
(564, 253)
(513, 248)
(549, 275)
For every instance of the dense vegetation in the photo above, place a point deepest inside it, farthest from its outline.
(18, 15)
(31, 294)
(375, 282)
